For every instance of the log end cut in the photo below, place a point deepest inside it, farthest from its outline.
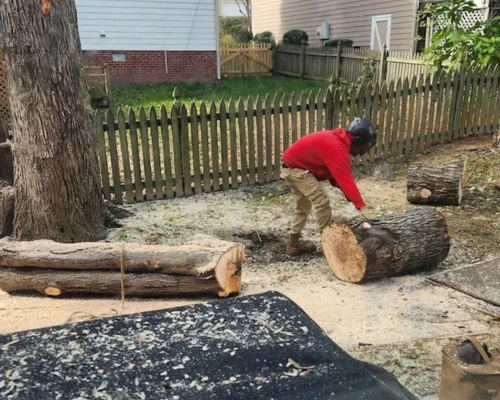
(344, 255)
(228, 270)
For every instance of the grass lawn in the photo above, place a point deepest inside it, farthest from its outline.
(229, 88)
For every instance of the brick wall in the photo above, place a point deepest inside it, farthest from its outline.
(149, 66)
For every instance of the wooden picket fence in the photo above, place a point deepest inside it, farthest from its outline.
(191, 150)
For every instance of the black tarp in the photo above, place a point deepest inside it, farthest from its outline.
(227, 349)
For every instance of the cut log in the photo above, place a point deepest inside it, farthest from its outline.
(439, 185)
(397, 244)
(56, 283)
(203, 258)
(6, 209)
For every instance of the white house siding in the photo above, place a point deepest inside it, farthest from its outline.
(162, 25)
(349, 19)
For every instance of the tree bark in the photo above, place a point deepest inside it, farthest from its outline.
(435, 184)
(397, 244)
(57, 184)
(202, 260)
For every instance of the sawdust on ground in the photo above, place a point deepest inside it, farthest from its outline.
(399, 323)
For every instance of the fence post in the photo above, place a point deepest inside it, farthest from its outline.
(383, 65)
(302, 59)
(178, 105)
(329, 109)
(338, 70)
(107, 78)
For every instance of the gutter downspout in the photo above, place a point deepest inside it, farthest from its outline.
(217, 44)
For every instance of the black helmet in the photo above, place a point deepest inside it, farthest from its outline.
(364, 133)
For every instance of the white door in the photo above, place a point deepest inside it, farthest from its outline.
(381, 32)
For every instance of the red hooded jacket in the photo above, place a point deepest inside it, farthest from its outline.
(327, 156)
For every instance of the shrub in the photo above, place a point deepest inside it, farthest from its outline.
(228, 41)
(295, 37)
(458, 45)
(242, 34)
(228, 25)
(339, 42)
(264, 37)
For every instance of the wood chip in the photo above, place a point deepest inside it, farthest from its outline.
(297, 366)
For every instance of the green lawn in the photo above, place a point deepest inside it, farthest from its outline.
(229, 88)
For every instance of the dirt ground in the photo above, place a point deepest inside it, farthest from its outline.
(400, 323)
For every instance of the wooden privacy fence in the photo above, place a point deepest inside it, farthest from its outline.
(337, 63)
(189, 150)
(247, 59)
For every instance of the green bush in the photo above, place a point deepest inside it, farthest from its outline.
(228, 25)
(460, 46)
(295, 37)
(242, 34)
(339, 42)
(264, 37)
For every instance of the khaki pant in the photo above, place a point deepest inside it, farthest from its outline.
(308, 194)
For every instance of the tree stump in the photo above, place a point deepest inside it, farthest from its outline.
(397, 244)
(202, 265)
(439, 185)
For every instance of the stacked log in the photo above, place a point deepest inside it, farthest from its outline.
(360, 251)
(439, 185)
(204, 265)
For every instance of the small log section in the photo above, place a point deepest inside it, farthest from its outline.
(204, 265)
(439, 185)
(397, 244)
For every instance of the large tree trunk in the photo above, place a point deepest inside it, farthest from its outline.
(439, 185)
(397, 244)
(203, 265)
(57, 184)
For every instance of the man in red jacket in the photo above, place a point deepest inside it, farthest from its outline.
(322, 156)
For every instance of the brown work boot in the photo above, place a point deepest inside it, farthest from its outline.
(296, 246)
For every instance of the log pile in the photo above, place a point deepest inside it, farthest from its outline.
(358, 251)
(439, 185)
(204, 265)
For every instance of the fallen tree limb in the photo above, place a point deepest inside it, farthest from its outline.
(203, 257)
(397, 244)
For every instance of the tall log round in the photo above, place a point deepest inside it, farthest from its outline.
(397, 244)
(439, 185)
(6, 209)
(57, 182)
(202, 265)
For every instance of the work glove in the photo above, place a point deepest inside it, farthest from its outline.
(368, 214)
